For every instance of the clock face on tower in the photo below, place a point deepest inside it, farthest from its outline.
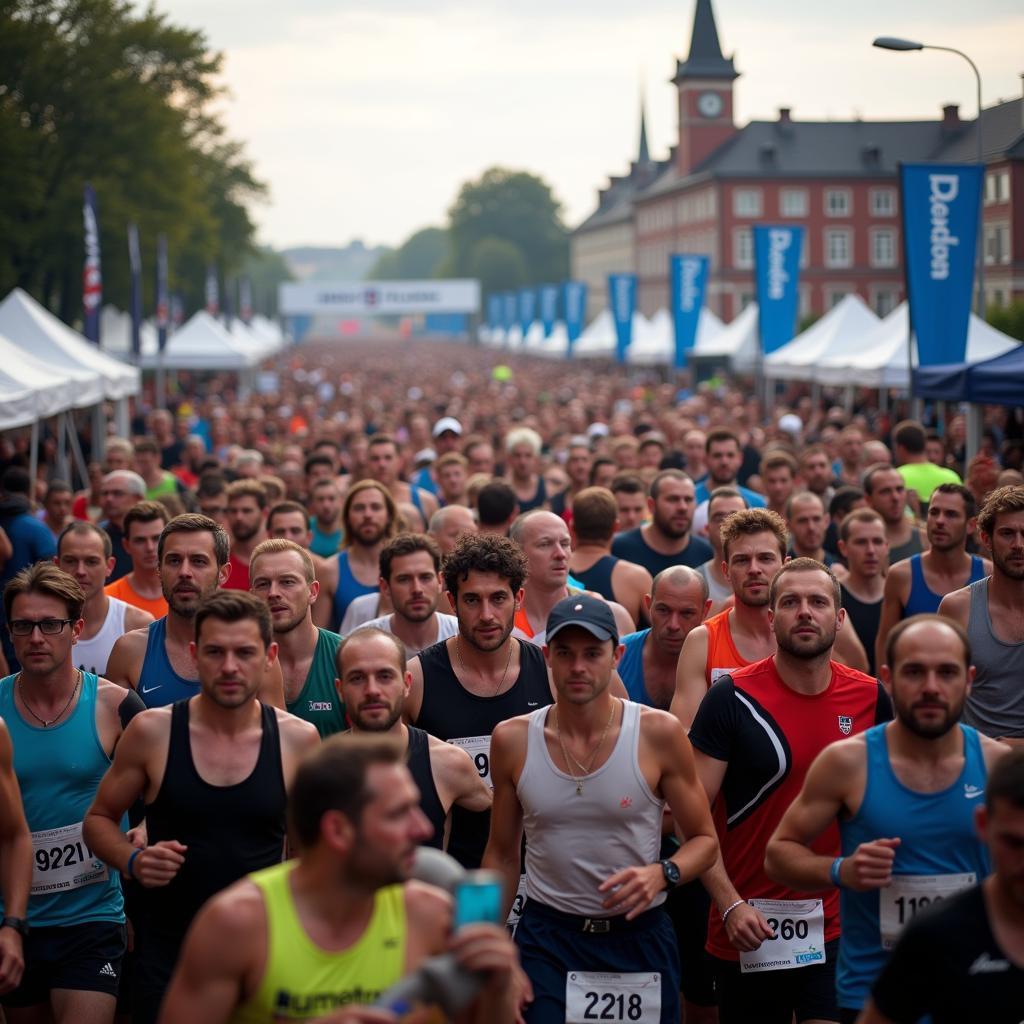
(709, 104)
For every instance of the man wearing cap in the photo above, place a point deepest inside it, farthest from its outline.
(588, 778)
(447, 436)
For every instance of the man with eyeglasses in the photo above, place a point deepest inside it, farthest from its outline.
(118, 492)
(64, 724)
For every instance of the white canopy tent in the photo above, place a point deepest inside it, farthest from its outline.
(598, 340)
(248, 339)
(203, 344)
(116, 334)
(53, 390)
(18, 406)
(880, 360)
(264, 327)
(737, 343)
(657, 347)
(845, 327)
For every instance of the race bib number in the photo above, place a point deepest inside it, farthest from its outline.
(596, 996)
(478, 748)
(798, 938)
(61, 861)
(517, 905)
(906, 895)
(717, 673)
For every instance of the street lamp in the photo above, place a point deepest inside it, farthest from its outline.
(902, 45)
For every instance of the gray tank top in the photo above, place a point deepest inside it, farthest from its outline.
(995, 705)
(716, 591)
(574, 841)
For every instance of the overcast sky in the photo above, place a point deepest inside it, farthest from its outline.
(364, 118)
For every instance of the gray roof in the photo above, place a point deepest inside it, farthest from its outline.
(617, 201)
(1002, 135)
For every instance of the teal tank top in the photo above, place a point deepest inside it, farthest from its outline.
(318, 701)
(58, 770)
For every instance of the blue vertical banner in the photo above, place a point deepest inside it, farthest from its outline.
(548, 301)
(575, 311)
(92, 274)
(511, 308)
(688, 276)
(777, 276)
(163, 298)
(494, 320)
(135, 301)
(527, 308)
(212, 290)
(941, 204)
(245, 299)
(622, 300)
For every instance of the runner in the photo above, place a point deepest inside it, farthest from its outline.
(805, 518)
(593, 526)
(452, 471)
(862, 542)
(722, 503)
(886, 493)
(522, 452)
(410, 578)
(448, 524)
(143, 524)
(816, 472)
(383, 463)
(754, 737)
(157, 661)
(247, 514)
(119, 491)
(667, 539)
(83, 552)
(630, 495)
(369, 517)
(723, 456)
(967, 957)
(338, 926)
(909, 443)
(577, 467)
(496, 508)
(325, 520)
(374, 683)
(212, 498)
(778, 473)
(213, 771)
(64, 725)
(282, 576)
(17, 856)
(593, 932)
(992, 612)
(918, 584)
(903, 796)
(850, 464)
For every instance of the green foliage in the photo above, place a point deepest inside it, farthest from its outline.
(1008, 319)
(95, 91)
(266, 269)
(506, 229)
(418, 258)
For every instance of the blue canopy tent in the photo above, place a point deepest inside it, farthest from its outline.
(997, 381)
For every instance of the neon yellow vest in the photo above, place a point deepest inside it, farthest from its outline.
(301, 981)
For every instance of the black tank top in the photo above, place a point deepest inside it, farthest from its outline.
(598, 577)
(230, 831)
(418, 759)
(451, 712)
(866, 618)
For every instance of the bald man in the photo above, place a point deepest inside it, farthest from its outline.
(448, 524)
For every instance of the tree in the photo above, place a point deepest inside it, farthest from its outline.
(419, 257)
(266, 269)
(499, 265)
(1008, 319)
(517, 209)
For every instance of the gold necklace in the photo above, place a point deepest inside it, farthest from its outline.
(45, 724)
(504, 675)
(585, 769)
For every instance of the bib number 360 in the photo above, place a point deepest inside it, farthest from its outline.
(798, 936)
(592, 996)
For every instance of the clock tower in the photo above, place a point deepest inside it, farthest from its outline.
(705, 82)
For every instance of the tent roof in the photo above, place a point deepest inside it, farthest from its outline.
(204, 344)
(737, 343)
(658, 344)
(18, 406)
(54, 390)
(998, 381)
(37, 331)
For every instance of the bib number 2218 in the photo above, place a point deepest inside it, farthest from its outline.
(592, 996)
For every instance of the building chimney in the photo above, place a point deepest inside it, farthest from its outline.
(784, 116)
(951, 118)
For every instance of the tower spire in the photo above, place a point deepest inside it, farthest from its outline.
(643, 156)
(705, 59)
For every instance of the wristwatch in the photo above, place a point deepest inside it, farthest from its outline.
(19, 924)
(671, 873)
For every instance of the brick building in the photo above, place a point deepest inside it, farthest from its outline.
(839, 179)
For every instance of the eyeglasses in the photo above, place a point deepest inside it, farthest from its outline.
(48, 627)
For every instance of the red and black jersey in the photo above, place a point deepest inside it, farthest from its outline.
(769, 734)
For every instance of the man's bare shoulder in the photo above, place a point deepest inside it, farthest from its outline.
(957, 605)
(512, 731)
(296, 731)
(428, 905)
(236, 915)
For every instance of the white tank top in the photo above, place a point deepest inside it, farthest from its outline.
(574, 841)
(91, 655)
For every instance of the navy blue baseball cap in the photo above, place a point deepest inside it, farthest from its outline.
(589, 613)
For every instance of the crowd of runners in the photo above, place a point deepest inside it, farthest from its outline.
(729, 696)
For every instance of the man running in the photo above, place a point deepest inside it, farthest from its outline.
(157, 661)
(630, 494)
(213, 771)
(448, 524)
(282, 576)
(918, 584)
(383, 461)
(83, 552)
(247, 515)
(903, 796)
(369, 516)
(992, 612)
(16, 854)
(886, 493)
(374, 683)
(593, 933)
(143, 524)
(329, 932)
(64, 725)
(325, 521)
(863, 543)
(522, 452)
(754, 736)
(722, 503)
(119, 491)
(807, 523)
(410, 578)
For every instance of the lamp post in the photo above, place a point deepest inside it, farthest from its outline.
(902, 45)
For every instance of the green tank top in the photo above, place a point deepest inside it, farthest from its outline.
(303, 982)
(319, 702)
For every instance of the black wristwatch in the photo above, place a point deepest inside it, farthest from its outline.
(20, 925)
(671, 872)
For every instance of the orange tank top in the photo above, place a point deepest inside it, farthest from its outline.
(722, 657)
(122, 589)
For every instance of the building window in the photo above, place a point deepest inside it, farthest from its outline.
(1003, 187)
(838, 250)
(746, 202)
(835, 293)
(805, 300)
(745, 299)
(742, 248)
(838, 202)
(883, 202)
(793, 202)
(805, 250)
(883, 248)
(884, 299)
(997, 243)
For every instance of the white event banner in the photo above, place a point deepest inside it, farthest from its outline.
(355, 298)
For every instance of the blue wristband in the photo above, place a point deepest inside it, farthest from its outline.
(833, 872)
(131, 862)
